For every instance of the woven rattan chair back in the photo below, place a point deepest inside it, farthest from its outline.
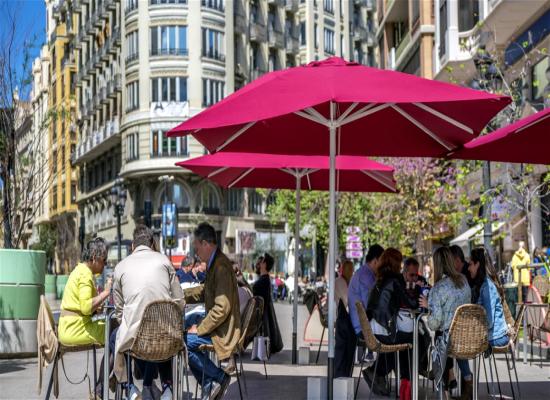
(370, 340)
(468, 332)
(246, 319)
(255, 321)
(542, 284)
(160, 333)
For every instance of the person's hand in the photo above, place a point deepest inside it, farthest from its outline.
(423, 301)
(108, 285)
(419, 283)
(192, 329)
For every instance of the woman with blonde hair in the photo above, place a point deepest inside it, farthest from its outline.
(450, 291)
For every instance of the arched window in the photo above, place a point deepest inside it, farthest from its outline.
(208, 200)
(176, 193)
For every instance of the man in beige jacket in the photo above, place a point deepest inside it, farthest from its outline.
(141, 278)
(221, 325)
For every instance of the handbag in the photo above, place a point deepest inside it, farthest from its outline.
(260, 349)
(404, 322)
(439, 356)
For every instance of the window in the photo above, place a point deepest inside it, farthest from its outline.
(132, 47)
(443, 28)
(132, 147)
(132, 96)
(539, 81)
(302, 33)
(179, 197)
(341, 45)
(212, 91)
(212, 44)
(329, 41)
(169, 40)
(73, 192)
(169, 89)
(208, 200)
(328, 6)
(54, 197)
(214, 4)
(131, 5)
(234, 201)
(255, 201)
(468, 14)
(164, 146)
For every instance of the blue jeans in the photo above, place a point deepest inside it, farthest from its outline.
(464, 368)
(199, 360)
(193, 319)
(499, 342)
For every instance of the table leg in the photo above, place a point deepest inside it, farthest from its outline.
(106, 371)
(415, 360)
(525, 336)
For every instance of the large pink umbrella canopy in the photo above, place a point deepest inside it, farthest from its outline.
(274, 171)
(525, 141)
(382, 113)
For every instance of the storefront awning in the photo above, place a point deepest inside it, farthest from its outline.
(475, 233)
(238, 224)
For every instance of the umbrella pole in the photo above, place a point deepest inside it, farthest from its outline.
(296, 268)
(331, 251)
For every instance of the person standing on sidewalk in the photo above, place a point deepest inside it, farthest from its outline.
(221, 324)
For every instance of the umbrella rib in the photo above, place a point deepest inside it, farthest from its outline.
(444, 117)
(216, 172)
(310, 117)
(379, 179)
(348, 111)
(365, 111)
(240, 177)
(236, 135)
(422, 127)
(314, 113)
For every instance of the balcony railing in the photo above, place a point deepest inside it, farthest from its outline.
(132, 57)
(97, 137)
(214, 55)
(292, 44)
(275, 38)
(401, 47)
(170, 52)
(213, 5)
(292, 5)
(258, 32)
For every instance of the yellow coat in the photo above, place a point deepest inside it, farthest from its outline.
(521, 257)
(77, 297)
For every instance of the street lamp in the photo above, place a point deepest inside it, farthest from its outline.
(118, 199)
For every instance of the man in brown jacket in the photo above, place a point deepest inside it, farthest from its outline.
(221, 325)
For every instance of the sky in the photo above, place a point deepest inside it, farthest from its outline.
(30, 21)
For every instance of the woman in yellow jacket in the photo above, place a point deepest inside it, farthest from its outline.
(81, 301)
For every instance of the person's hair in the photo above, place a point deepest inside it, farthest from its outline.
(95, 249)
(375, 251)
(143, 236)
(269, 261)
(205, 231)
(444, 265)
(390, 264)
(458, 253)
(410, 261)
(486, 269)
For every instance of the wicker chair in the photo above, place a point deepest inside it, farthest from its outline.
(160, 338)
(468, 336)
(246, 319)
(63, 349)
(374, 345)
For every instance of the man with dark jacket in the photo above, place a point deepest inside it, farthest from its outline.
(262, 287)
(221, 325)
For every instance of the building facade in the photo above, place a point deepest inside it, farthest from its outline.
(516, 38)
(405, 36)
(141, 67)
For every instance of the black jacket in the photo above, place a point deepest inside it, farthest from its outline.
(270, 327)
(385, 300)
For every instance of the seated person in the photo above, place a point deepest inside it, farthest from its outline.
(141, 278)
(245, 293)
(221, 325)
(385, 300)
(486, 293)
(81, 300)
(185, 274)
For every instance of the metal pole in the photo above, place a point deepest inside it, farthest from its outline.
(296, 268)
(415, 357)
(487, 227)
(118, 234)
(108, 316)
(331, 247)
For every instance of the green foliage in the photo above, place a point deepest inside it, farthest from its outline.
(47, 239)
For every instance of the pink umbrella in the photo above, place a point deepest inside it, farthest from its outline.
(274, 171)
(522, 142)
(335, 107)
